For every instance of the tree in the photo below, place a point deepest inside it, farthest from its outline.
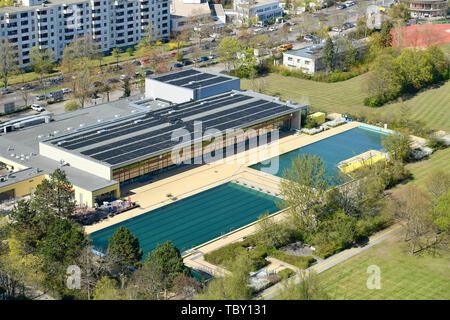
(42, 61)
(147, 282)
(108, 86)
(124, 251)
(26, 96)
(399, 11)
(384, 81)
(398, 146)
(168, 259)
(81, 81)
(61, 247)
(348, 52)
(179, 56)
(116, 54)
(414, 68)
(328, 54)
(232, 286)
(186, 287)
(130, 52)
(438, 183)
(227, 51)
(441, 213)
(385, 34)
(302, 190)
(8, 60)
(54, 197)
(414, 211)
(309, 288)
(270, 233)
(71, 106)
(82, 47)
(107, 289)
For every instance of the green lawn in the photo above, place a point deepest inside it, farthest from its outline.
(420, 170)
(431, 106)
(403, 277)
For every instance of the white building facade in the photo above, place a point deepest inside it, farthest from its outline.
(56, 23)
(263, 9)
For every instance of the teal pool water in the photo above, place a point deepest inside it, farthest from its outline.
(333, 150)
(194, 220)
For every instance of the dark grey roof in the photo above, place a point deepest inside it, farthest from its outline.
(150, 134)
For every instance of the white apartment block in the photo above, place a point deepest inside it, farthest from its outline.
(54, 24)
(263, 9)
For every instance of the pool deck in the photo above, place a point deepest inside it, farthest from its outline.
(190, 182)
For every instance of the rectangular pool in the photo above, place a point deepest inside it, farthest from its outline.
(333, 150)
(196, 219)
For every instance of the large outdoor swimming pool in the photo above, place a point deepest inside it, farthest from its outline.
(196, 219)
(333, 150)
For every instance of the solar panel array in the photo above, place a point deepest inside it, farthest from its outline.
(192, 79)
(130, 139)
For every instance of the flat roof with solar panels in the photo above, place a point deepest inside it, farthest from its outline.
(189, 84)
(149, 134)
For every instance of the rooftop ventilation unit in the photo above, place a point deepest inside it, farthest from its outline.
(116, 115)
(99, 120)
(101, 131)
(81, 125)
(191, 82)
(61, 142)
(69, 128)
(137, 121)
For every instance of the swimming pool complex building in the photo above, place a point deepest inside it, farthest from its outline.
(104, 147)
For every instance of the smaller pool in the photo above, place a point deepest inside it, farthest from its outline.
(194, 220)
(333, 150)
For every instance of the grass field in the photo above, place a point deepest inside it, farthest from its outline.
(403, 277)
(420, 170)
(432, 106)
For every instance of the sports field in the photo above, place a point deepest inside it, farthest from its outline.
(194, 220)
(403, 277)
(432, 105)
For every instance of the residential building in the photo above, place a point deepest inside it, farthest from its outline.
(427, 8)
(309, 59)
(263, 9)
(54, 24)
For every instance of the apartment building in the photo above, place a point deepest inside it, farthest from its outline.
(263, 9)
(54, 24)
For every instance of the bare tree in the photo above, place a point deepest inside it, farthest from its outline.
(8, 60)
(26, 96)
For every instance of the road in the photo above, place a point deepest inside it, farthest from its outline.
(274, 290)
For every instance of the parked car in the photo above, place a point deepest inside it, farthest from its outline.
(212, 56)
(148, 72)
(5, 90)
(66, 90)
(308, 38)
(173, 53)
(336, 29)
(341, 6)
(178, 65)
(201, 59)
(272, 28)
(124, 76)
(187, 62)
(348, 25)
(37, 108)
(41, 97)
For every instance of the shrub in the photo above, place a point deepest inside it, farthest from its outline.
(300, 262)
(285, 274)
(71, 106)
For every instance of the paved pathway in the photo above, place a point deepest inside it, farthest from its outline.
(271, 292)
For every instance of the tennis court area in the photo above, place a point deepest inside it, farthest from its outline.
(196, 219)
(333, 150)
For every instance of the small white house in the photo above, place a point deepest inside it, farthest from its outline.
(309, 59)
